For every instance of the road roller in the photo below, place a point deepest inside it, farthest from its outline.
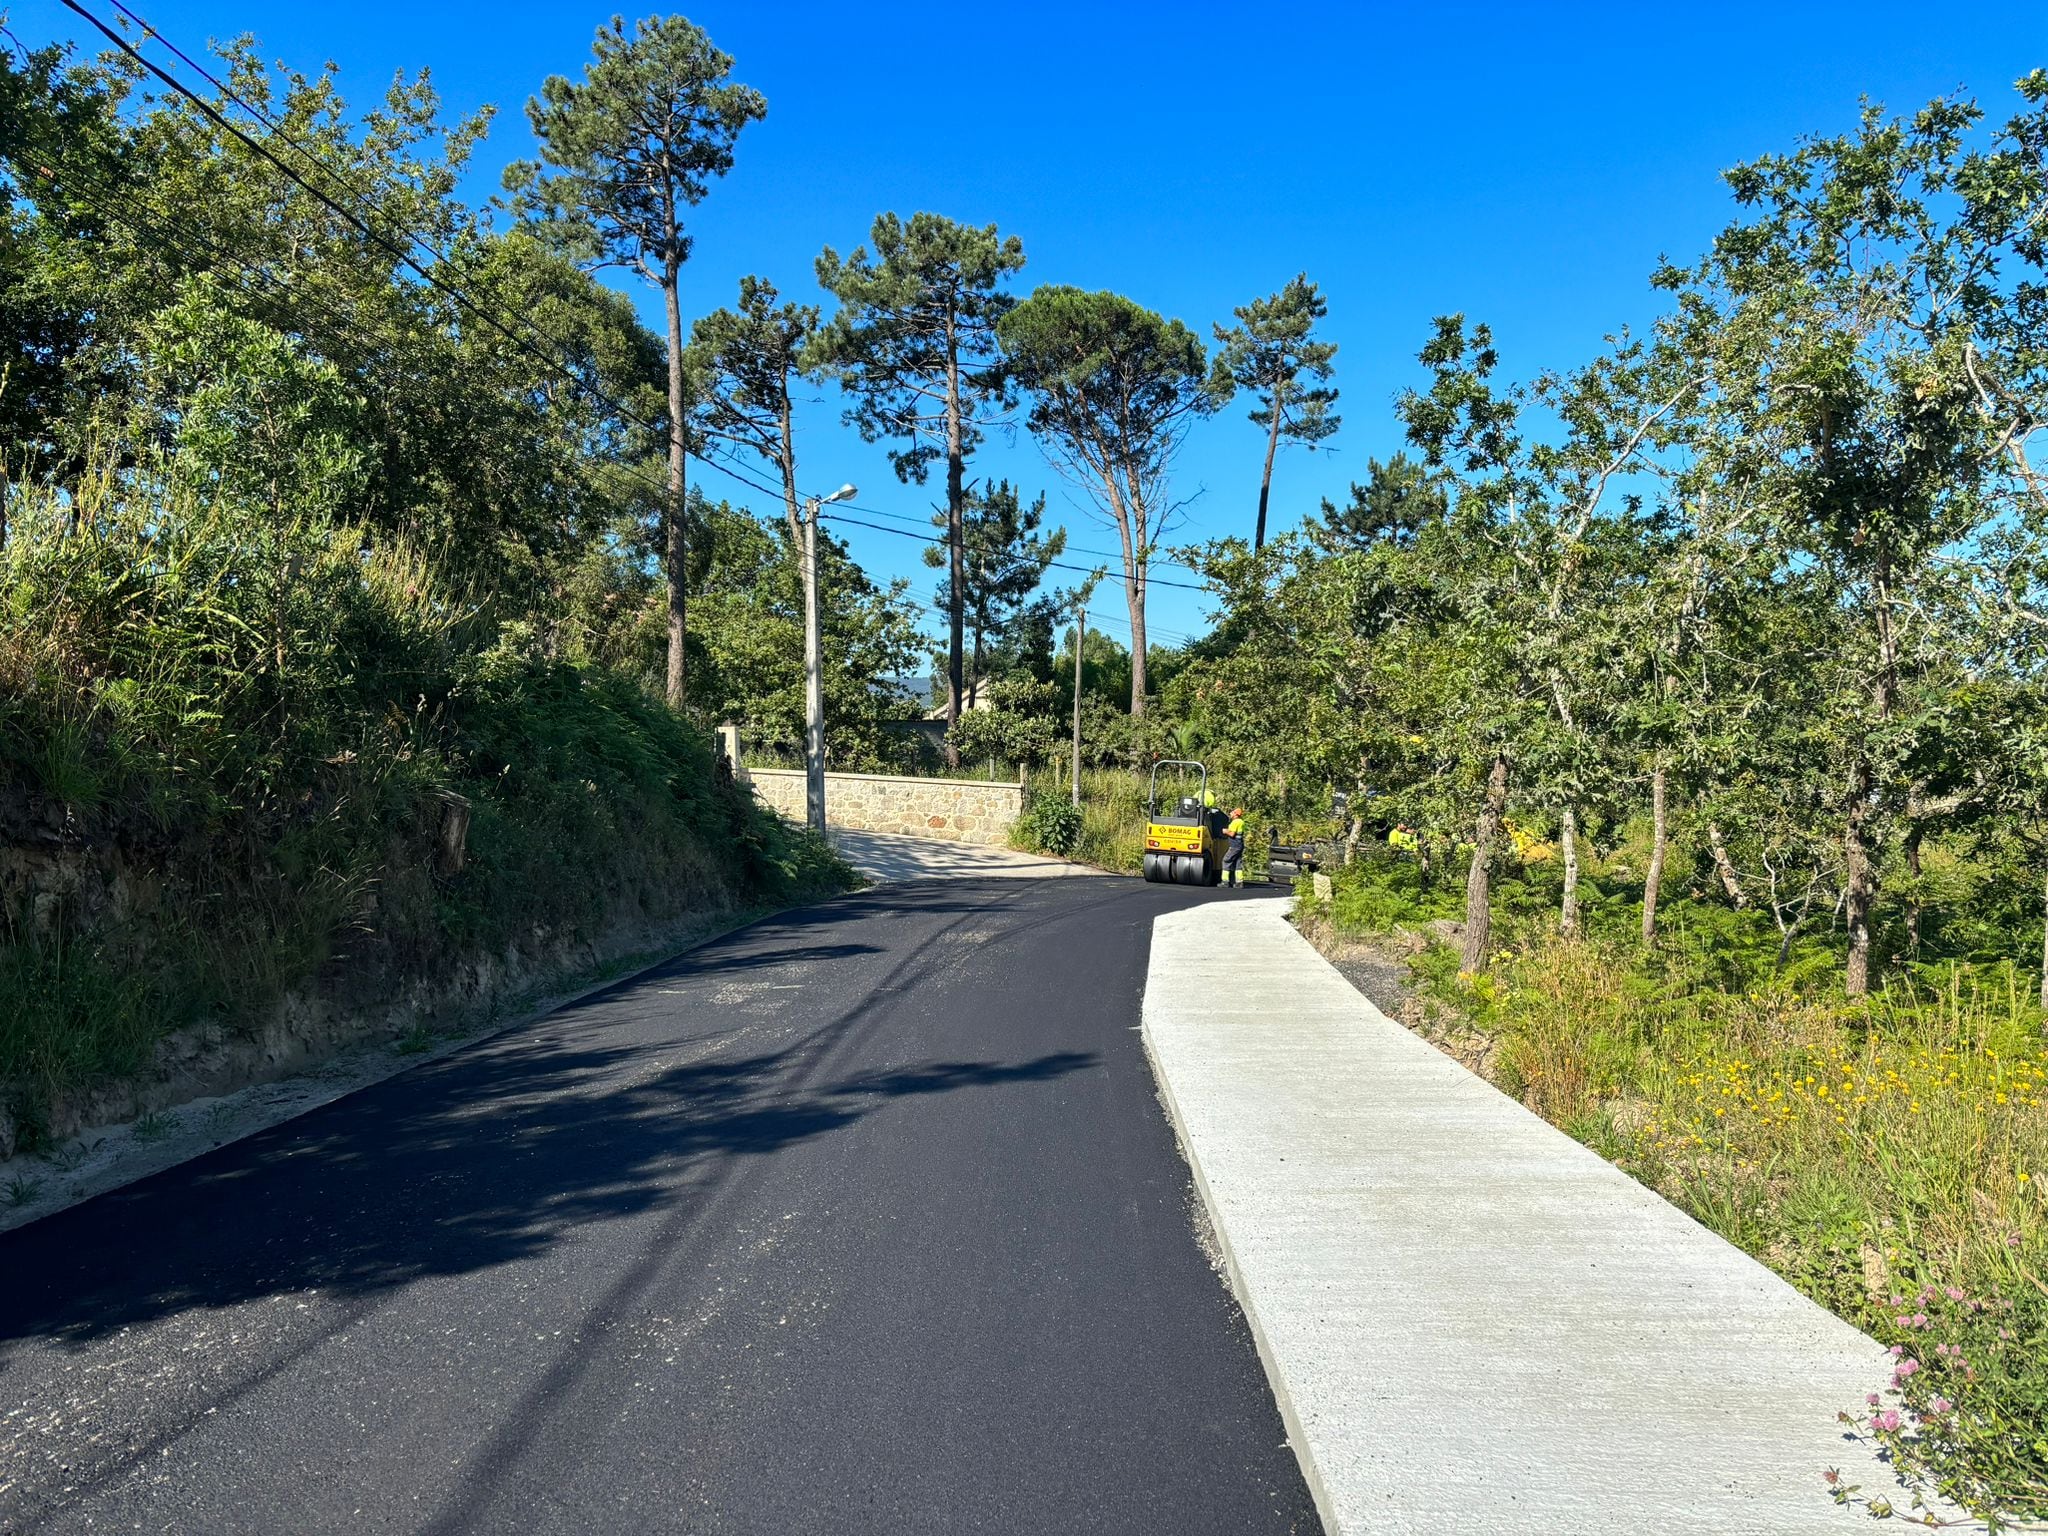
(1183, 834)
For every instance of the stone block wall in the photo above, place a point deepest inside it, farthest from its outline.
(947, 810)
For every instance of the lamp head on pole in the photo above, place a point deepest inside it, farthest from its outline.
(844, 493)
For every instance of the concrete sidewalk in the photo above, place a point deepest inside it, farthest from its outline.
(1472, 1323)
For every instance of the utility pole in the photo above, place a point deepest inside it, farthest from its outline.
(814, 668)
(1080, 639)
(1081, 595)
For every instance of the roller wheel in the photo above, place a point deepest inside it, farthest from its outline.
(1153, 872)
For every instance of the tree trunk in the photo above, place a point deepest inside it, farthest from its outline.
(1134, 590)
(2044, 947)
(1126, 513)
(675, 563)
(1478, 880)
(1730, 881)
(956, 551)
(1655, 879)
(1568, 841)
(1266, 479)
(792, 500)
(1860, 858)
(1913, 835)
(1859, 897)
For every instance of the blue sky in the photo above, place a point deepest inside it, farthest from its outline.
(1525, 164)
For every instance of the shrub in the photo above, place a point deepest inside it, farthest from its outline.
(1050, 824)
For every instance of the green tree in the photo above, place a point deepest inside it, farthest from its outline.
(748, 638)
(914, 343)
(1016, 723)
(1397, 498)
(1114, 389)
(57, 126)
(1004, 559)
(1537, 577)
(742, 365)
(1839, 317)
(258, 424)
(1271, 351)
(632, 148)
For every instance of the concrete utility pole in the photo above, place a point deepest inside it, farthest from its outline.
(814, 668)
(1080, 638)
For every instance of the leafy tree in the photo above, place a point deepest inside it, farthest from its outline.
(57, 127)
(1839, 319)
(1114, 389)
(1016, 723)
(633, 147)
(748, 639)
(1105, 668)
(1270, 351)
(1004, 559)
(914, 342)
(1536, 576)
(742, 365)
(257, 422)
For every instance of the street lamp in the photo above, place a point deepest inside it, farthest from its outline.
(814, 668)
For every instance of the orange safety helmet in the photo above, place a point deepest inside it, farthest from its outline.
(1238, 813)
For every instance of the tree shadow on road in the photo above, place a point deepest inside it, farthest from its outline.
(628, 1103)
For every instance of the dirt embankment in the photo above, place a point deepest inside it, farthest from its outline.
(214, 1084)
(1378, 966)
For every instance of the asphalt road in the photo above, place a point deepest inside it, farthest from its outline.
(865, 1218)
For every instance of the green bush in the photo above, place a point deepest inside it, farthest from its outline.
(1050, 824)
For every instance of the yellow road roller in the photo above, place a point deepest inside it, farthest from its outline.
(1184, 835)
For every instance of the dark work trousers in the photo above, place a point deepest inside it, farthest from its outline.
(1233, 862)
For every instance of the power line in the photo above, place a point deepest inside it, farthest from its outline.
(359, 331)
(463, 300)
(664, 430)
(363, 333)
(1104, 554)
(1058, 565)
(414, 238)
(932, 607)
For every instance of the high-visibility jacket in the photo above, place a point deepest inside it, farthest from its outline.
(1236, 827)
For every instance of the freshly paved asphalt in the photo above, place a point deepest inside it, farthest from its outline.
(865, 1218)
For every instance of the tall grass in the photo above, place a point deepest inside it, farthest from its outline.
(1112, 819)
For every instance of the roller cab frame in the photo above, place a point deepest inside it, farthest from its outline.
(1182, 838)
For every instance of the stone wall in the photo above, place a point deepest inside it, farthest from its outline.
(949, 810)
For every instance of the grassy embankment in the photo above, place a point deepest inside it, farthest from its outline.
(228, 749)
(1886, 1156)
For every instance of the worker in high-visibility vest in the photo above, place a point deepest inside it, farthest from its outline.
(1233, 850)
